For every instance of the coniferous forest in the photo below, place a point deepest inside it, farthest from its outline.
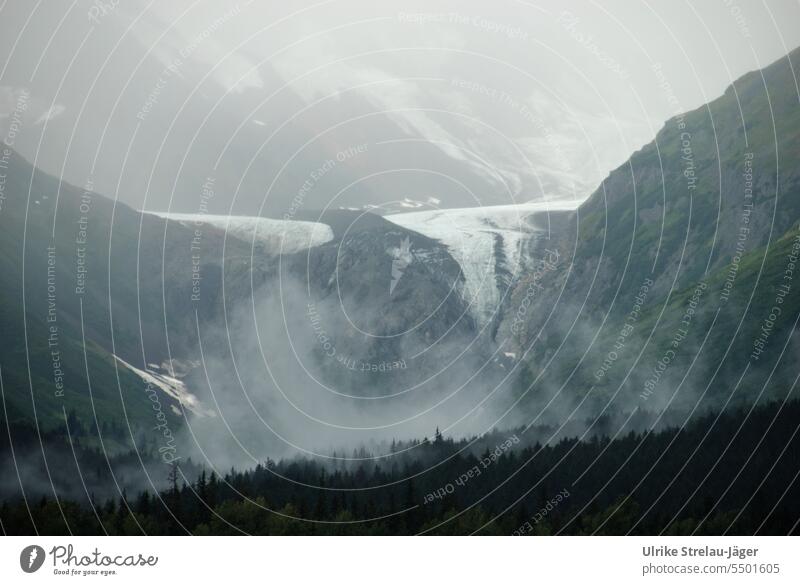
(733, 473)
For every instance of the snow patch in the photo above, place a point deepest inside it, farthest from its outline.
(172, 387)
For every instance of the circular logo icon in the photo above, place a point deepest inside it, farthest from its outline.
(31, 558)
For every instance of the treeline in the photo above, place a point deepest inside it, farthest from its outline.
(734, 473)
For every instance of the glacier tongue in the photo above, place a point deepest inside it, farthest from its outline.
(471, 236)
(278, 235)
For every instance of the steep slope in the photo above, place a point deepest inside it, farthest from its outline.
(100, 304)
(671, 242)
(86, 280)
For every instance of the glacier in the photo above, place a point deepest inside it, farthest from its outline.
(487, 242)
(279, 236)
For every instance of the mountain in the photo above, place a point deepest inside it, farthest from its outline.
(130, 318)
(100, 302)
(77, 292)
(684, 256)
(659, 291)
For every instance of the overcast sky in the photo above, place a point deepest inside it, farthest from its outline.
(458, 103)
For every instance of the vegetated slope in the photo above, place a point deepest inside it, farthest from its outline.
(672, 241)
(86, 280)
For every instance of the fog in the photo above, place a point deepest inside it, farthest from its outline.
(286, 380)
(450, 100)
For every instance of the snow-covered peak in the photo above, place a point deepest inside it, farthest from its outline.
(279, 236)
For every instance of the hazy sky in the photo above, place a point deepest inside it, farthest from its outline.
(460, 102)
